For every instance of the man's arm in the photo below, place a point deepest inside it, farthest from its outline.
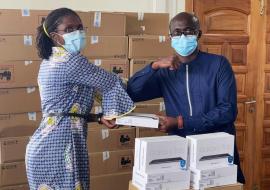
(144, 85)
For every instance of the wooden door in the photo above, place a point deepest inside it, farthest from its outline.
(228, 29)
(262, 159)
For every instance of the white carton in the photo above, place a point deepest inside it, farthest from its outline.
(213, 149)
(202, 184)
(163, 152)
(162, 176)
(182, 185)
(211, 177)
(139, 120)
(213, 172)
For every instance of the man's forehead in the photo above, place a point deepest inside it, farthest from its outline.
(182, 23)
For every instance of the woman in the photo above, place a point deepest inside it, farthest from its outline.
(56, 156)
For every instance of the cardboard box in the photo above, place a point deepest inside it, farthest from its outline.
(149, 108)
(150, 47)
(117, 66)
(147, 23)
(146, 132)
(213, 172)
(17, 187)
(117, 181)
(237, 186)
(176, 185)
(18, 47)
(12, 174)
(18, 121)
(108, 162)
(13, 149)
(163, 176)
(102, 139)
(136, 65)
(18, 73)
(138, 120)
(17, 131)
(104, 23)
(164, 152)
(213, 149)
(106, 47)
(19, 100)
(24, 21)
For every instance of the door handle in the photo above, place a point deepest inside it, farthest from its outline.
(251, 102)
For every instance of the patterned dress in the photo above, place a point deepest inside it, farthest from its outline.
(56, 156)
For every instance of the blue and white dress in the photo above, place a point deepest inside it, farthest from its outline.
(56, 156)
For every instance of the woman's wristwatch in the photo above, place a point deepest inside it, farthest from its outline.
(99, 116)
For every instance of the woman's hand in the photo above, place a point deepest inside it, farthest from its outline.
(109, 123)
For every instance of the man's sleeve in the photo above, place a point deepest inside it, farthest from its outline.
(226, 110)
(144, 85)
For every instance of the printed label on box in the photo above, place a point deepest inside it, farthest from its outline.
(97, 19)
(6, 73)
(25, 12)
(125, 161)
(27, 40)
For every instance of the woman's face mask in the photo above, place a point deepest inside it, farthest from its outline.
(74, 41)
(184, 45)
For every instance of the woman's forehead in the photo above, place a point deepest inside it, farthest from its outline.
(71, 21)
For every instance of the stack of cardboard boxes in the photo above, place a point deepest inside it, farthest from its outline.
(19, 95)
(107, 42)
(111, 152)
(148, 41)
(158, 167)
(111, 155)
(211, 160)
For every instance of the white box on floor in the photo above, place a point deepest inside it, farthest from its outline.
(163, 152)
(202, 184)
(213, 149)
(162, 176)
(138, 120)
(182, 185)
(213, 172)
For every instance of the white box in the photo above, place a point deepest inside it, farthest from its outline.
(201, 184)
(211, 177)
(162, 152)
(138, 120)
(213, 149)
(183, 185)
(213, 172)
(162, 176)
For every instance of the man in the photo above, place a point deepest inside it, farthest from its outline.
(198, 88)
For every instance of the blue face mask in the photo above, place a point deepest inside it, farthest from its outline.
(184, 45)
(74, 41)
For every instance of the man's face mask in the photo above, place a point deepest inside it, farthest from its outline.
(184, 45)
(74, 41)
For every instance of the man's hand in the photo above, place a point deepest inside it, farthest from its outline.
(171, 62)
(109, 123)
(167, 124)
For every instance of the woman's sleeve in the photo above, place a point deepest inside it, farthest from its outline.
(115, 100)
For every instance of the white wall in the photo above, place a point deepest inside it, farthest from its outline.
(95, 5)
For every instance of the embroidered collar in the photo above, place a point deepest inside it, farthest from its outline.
(59, 54)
